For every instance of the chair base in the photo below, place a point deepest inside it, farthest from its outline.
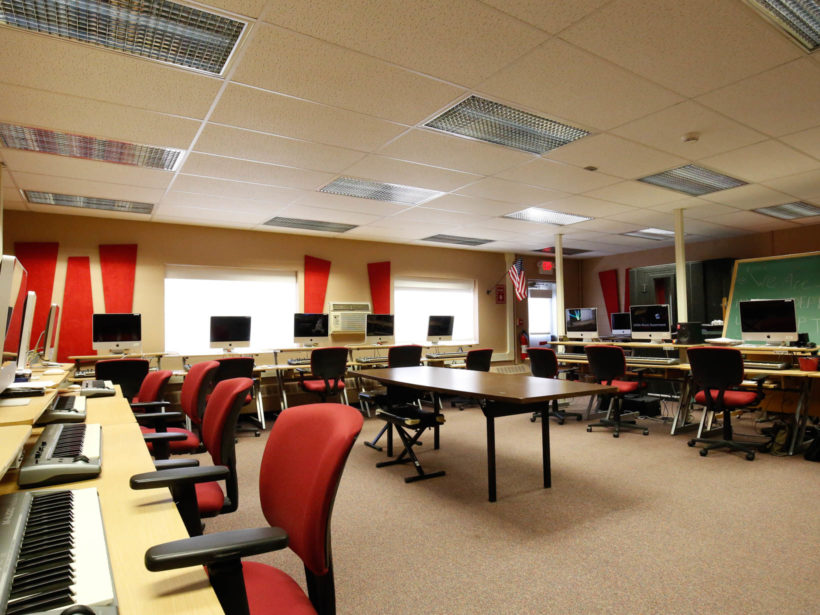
(407, 455)
(559, 415)
(618, 425)
(745, 447)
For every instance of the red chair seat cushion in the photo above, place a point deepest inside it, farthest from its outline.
(189, 444)
(209, 498)
(731, 399)
(318, 386)
(626, 386)
(272, 591)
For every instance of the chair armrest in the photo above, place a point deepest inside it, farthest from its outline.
(180, 462)
(150, 405)
(178, 476)
(638, 370)
(159, 420)
(215, 548)
(163, 436)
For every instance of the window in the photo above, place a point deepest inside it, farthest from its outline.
(194, 294)
(414, 299)
(541, 308)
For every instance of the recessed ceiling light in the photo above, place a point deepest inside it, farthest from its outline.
(790, 211)
(310, 225)
(693, 180)
(493, 122)
(658, 234)
(156, 29)
(564, 251)
(546, 216)
(455, 239)
(89, 148)
(380, 191)
(87, 202)
(798, 19)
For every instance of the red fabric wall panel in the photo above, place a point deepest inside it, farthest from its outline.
(118, 264)
(379, 274)
(40, 261)
(609, 287)
(75, 326)
(317, 272)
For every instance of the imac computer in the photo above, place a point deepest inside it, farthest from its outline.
(440, 328)
(651, 322)
(310, 329)
(582, 323)
(13, 279)
(50, 333)
(379, 329)
(773, 321)
(620, 324)
(25, 330)
(228, 332)
(116, 333)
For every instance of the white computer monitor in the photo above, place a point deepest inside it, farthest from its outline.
(440, 328)
(773, 321)
(379, 329)
(651, 322)
(582, 323)
(50, 333)
(13, 280)
(310, 329)
(116, 333)
(24, 343)
(229, 332)
(620, 323)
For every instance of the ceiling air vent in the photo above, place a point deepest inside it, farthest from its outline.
(657, 234)
(455, 239)
(87, 202)
(798, 19)
(310, 225)
(493, 122)
(693, 180)
(380, 191)
(790, 211)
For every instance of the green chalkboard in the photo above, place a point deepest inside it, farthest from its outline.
(796, 276)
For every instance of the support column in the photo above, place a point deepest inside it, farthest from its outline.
(559, 285)
(680, 268)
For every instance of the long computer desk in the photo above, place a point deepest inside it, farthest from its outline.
(506, 394)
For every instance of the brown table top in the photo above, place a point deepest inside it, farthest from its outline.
(511, 388)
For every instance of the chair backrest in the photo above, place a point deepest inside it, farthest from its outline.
(301, 468)
(234, 367)
(478, 359)
(404, 356)
(543, 362)
(715, 367)
(153, 385)
(606, 362)
(128, 373)
(195, 389)
(328, 363)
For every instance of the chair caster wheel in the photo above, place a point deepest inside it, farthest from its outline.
(532, 419)
(691, 443)
(750, 456)
(578, 418)
(704, 452)
(560, 421)
(589, 428)
(646, 432)
(615, 435)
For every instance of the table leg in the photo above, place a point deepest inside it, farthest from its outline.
(545, 447)
(437, 410)
(283, 397)
(684, 406)
(491, 456)
(802, 404)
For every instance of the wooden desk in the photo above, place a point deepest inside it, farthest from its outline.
(93, 358)
(12, 439)
(511, 394)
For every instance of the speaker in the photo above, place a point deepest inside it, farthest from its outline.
(690, 333)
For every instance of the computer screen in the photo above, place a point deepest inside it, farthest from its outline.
(379, 329)
(309, 329)
(773, 321)
(620, 323)
(582, 323)
(228, 332)
(116, 333)
(440, 328)
(24, 343)
(651, 322)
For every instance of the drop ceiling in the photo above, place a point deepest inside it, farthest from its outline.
(321, 90)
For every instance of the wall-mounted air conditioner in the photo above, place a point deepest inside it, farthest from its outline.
(348, 316)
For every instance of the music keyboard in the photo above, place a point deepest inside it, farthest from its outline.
(765, 365)
(572, 356)
(63, 453)
(64, 409)
(446, 355)
(653, 360)
(304, 361)
(372, 360)
(54, 554)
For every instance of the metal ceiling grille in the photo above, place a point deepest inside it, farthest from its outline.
(656, 234)
(455, 239)
(87, 202)
(546, 216)
(310, 225)
(693, 180)
(155, 29)
(90, 148)
(799, 19)
(565, 251)
(380, 191)
(790, 211)
(493, 122)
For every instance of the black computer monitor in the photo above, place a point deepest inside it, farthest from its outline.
(773, 321)
(379, 329)
(651, 322)
(116, 333)
(310, 329)
(620, 323)
(49, 341)
(582, 323)
(228, 332)
(440, 328)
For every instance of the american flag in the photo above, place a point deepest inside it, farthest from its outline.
(518, 279)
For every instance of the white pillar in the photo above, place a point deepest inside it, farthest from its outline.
(680, 267)
(559, 285)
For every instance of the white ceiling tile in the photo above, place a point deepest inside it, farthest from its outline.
(383, 169)
(207, 165)
(349, 203)
(642, 218)
(703, 228)
(380, 229)
(233, 189)
(747, 197)
(436, 216)
(807, 141)
(87, 187)
(91, 213)
(762, 161)
(502, 190)
(801, 185)
(207, 216)
(585, 206)
(519, 226)
(604, 225)
(327, 215)
(466, 204)
(551, 15)
(483, 231)
(248, 8)
(635, 194)
(557, 176)
(225, 204)
(706, 212)
(561, 81)
(680, 203)
(751, 221)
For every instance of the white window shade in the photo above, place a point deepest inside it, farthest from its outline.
(415, 299)
(194, 294)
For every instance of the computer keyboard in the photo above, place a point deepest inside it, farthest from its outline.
(299, 361)
(446, 355)
(653, 360)
(372, 359)
(766, 365)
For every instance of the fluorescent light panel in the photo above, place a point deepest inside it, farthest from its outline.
(380, 191)
(546, 216)
(693, 180)
(657, 234)
(310, 225)
(565, 251)
(790, 211)
(799, 19)
(155, 29)
(90, 148)
(455, 239)
(87, 202)
(493, 122)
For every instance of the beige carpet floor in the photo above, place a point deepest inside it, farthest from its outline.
(638, 524)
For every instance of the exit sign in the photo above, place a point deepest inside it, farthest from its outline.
(546, 266)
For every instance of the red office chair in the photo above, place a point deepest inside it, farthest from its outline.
(152, 388)
(715, 371)
(195, 490)
(544, 364)
(242, 367)
(327, 369)
(128, 373)
(300, 473)
(608, 365)
(477, 360)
